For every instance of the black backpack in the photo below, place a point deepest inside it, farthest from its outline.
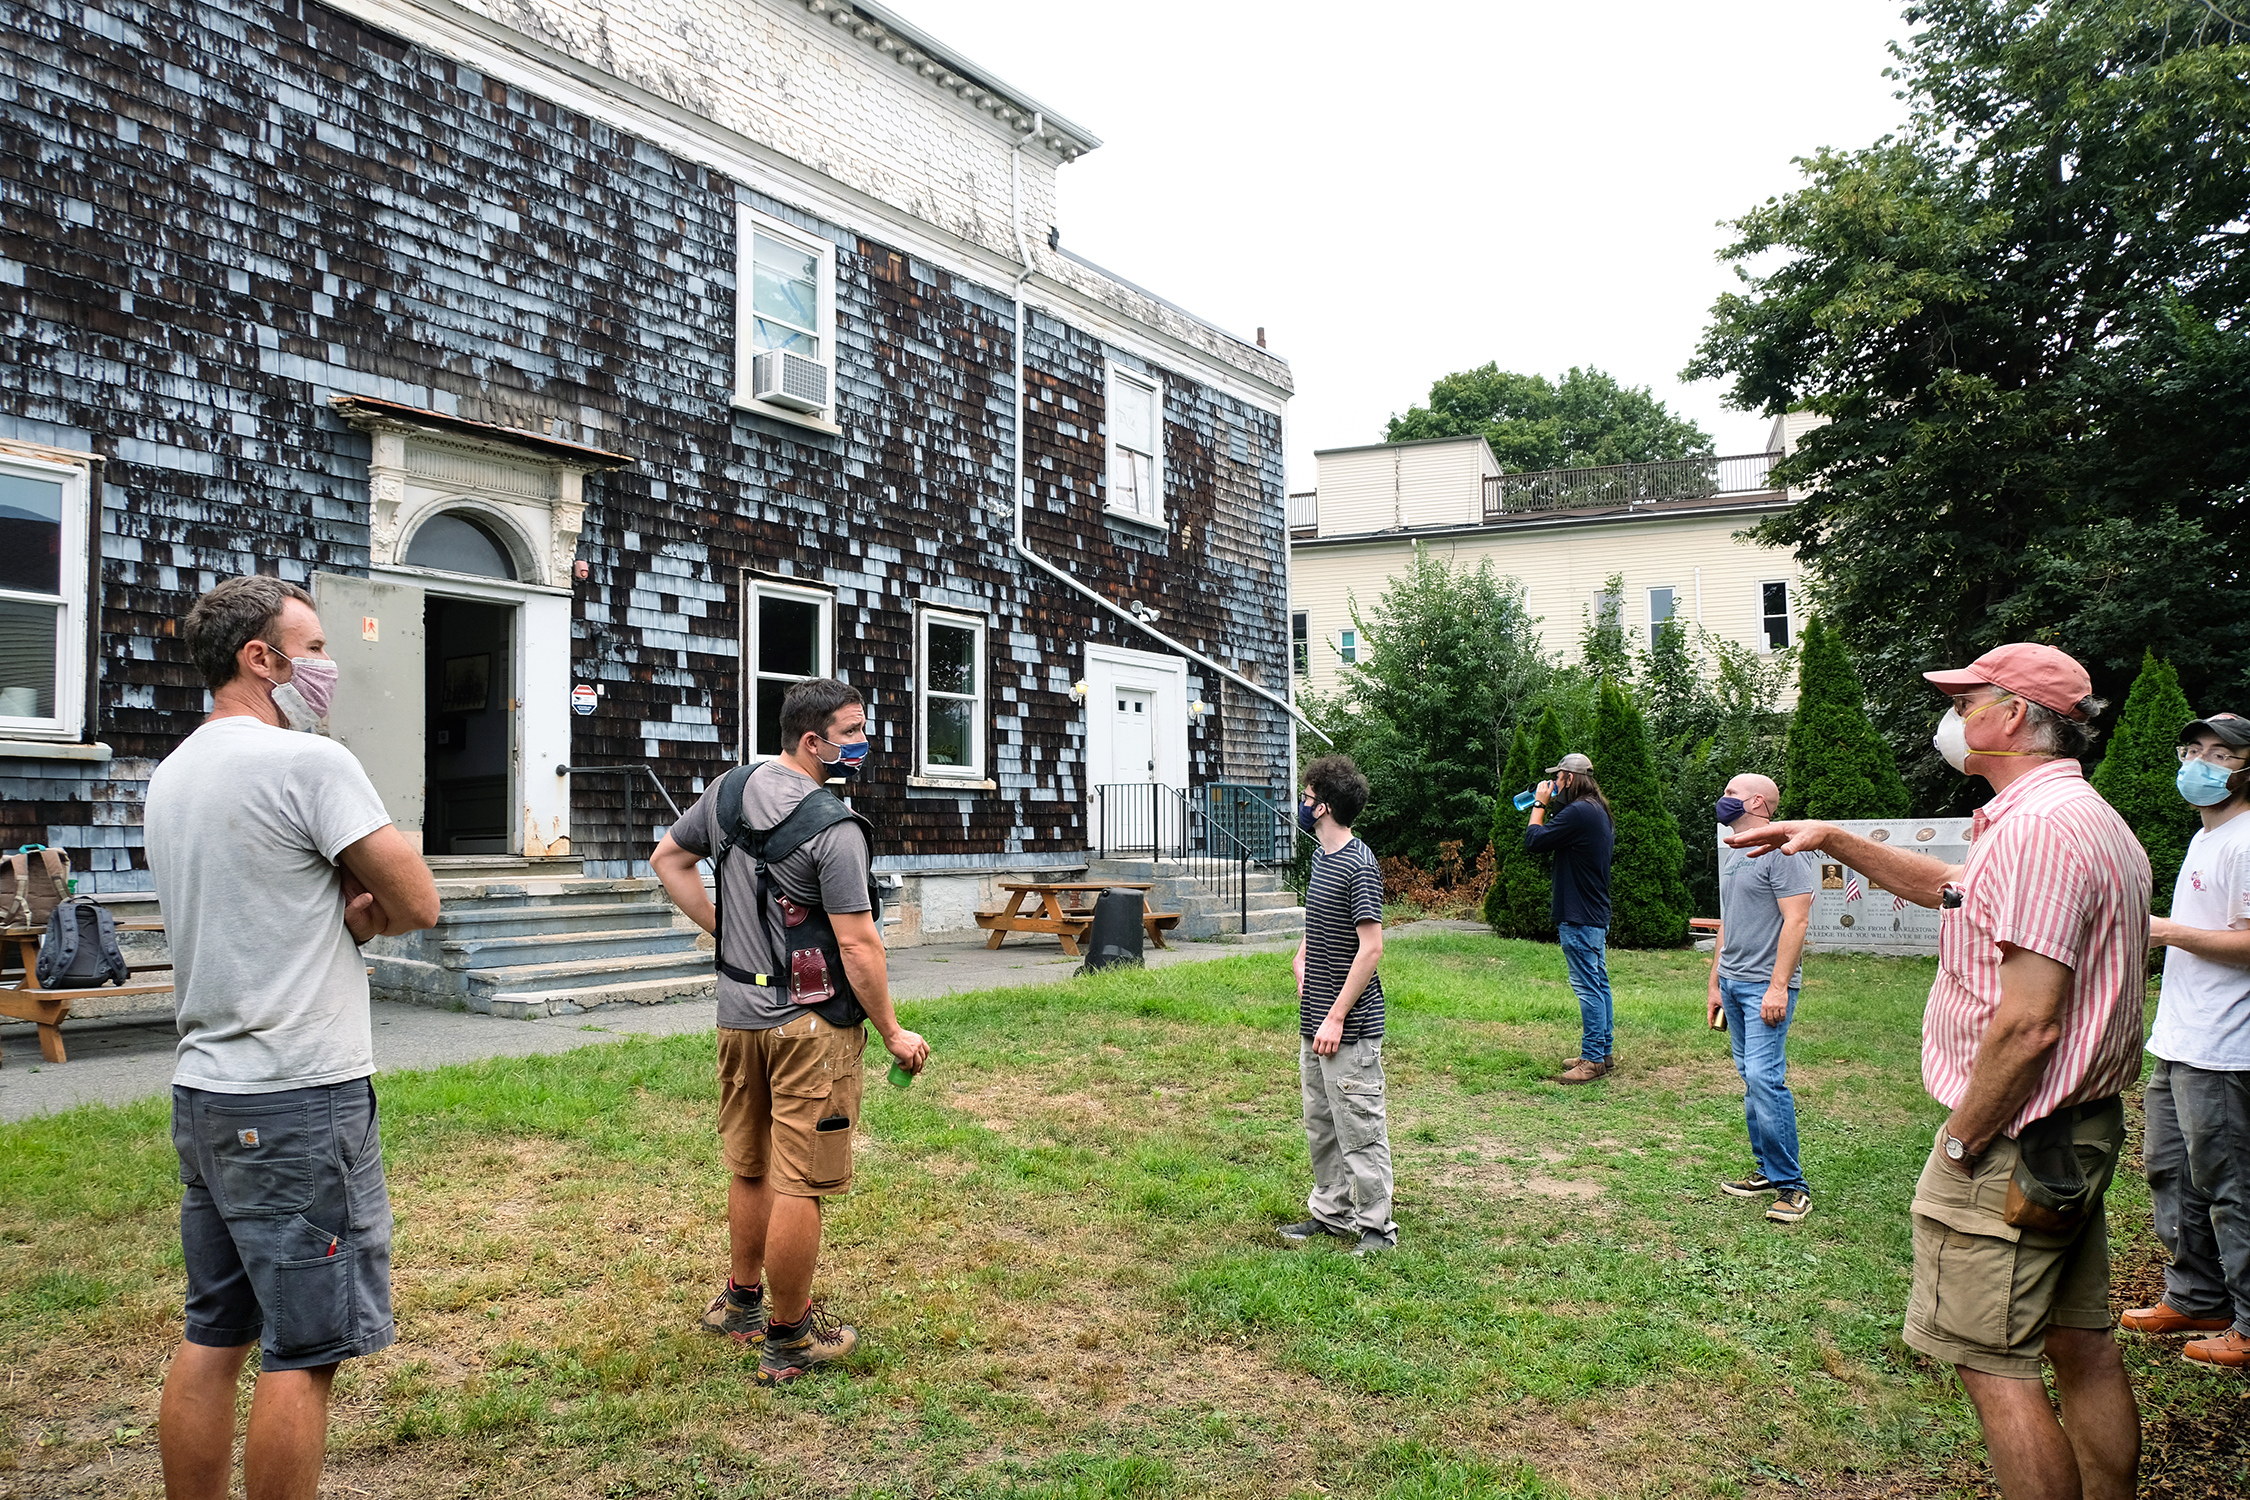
(801, 934)
(80, 950)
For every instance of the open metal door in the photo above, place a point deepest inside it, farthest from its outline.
(375, 633)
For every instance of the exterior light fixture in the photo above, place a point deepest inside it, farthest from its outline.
(1080, 690)
(1198, 709)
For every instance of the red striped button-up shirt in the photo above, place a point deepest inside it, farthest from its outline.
(2054, 869)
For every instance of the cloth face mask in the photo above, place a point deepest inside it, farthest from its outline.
(1728, 809)
(304, 700)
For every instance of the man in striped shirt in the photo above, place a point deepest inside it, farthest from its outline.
(2032, 1032)
(1340, 1019)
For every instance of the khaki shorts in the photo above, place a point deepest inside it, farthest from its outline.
(1986, 1292)
(789, 1104)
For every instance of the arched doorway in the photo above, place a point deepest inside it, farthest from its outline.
(467, 691)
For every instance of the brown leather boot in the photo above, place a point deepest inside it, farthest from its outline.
(1586, 1072)
(2165, 1318)
(2230, 1349)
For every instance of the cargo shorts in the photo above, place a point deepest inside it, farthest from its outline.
(789, 1100)
(285, 1222)
(1986, 1292)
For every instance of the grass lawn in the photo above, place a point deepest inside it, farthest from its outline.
(1060, 1260)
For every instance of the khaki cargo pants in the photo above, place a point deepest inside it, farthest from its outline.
(1348, 1134)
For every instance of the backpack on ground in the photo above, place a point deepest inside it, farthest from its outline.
(797, 934)
(33, 882)
(80, 950)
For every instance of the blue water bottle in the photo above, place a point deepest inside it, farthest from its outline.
(1524, 800)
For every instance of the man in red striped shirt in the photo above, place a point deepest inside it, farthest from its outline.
(2033, 1031)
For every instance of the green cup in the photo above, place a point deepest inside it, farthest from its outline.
(900, 1078)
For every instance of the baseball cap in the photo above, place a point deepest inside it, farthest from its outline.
(2233, 730)
(2049, 678)
(1570, 762)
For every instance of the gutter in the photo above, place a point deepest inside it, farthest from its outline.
(1015, 467)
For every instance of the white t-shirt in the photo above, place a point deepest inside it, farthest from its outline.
(243, 825)
(2203, 1015)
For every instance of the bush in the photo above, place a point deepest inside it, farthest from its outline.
(1519, 903)
(2140, 773)
(1648, 897)
(1839, 767)
(1451, 890)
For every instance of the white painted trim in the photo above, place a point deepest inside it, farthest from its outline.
(971, 775)
(1114, 375)
(1759, 617)
(44, 750)
(69, 601)
(747, 223)
(755, 585)
(507, 55)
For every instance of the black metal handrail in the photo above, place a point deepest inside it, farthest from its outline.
(627, 771)
(1166, 823)
(1628, 484)
(1293, 847)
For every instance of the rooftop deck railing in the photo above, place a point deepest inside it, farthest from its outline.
(1304, 512)
(1628, 484)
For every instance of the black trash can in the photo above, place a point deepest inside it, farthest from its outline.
(1115, 937)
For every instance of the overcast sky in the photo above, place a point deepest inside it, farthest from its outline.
(1399, 191)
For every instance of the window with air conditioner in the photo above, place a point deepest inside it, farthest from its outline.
(789, 633)
(784, 319)
(1135, 418)
(1300, 643)
(45, 542)
(1773, 612)
(951, 682)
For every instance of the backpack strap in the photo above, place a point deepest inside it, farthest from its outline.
(58, 951)
(815, 815)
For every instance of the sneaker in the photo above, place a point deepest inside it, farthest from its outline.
(1757, 1184)
(2165, 1318)
(1373, 1242)
(2230, 1349)
(794, 1349)
(745, 1323)
(1310, 1229)
(1790, 1206)
(1586, 1072)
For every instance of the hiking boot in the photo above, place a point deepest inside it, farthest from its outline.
(744, 1322)
(1373, 1242)
(1586, 1072)
(1311, 1229)
(2230, 1349)
(1790, 1206)
(794, 1349)
(2165, 1318)
(1756, 1185)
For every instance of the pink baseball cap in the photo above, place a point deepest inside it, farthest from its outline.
(2049, 678)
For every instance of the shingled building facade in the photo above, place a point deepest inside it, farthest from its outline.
(428, 306)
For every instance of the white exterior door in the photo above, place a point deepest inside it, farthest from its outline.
(1136, 735)
(1132, 736)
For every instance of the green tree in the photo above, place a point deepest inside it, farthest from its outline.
(1711, 705)
(2140, 769)
(2024, 319)
(1517, 903)
(1602, 648)
(1449, 660)
(1647, 894)
(1839, 767)
(1582, 420)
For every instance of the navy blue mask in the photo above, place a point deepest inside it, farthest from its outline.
(1728, 809)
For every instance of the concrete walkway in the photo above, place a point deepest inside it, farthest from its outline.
(128, 1058)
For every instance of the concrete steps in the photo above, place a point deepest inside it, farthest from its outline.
(1207, 912)
(529, 938)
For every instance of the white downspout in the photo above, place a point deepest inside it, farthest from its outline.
(1015, 464)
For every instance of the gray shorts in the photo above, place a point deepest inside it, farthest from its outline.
(285, 1222)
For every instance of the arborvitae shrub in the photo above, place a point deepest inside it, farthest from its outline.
(2140, 769)
(1517, 904)
(1649, 903)
(1839, 766)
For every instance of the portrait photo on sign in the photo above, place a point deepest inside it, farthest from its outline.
(1831, 877)
(468, 684)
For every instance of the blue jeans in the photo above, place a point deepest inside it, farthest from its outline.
(1767, 1105)
(1582, 950)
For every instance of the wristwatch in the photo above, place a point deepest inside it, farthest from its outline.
(1954, 1150)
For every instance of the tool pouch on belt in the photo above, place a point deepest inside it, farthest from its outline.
(2059, 1177)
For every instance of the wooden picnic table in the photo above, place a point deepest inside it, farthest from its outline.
(27, 1000)
(1067, 919)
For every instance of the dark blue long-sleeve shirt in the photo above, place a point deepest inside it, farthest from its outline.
(1581, 838)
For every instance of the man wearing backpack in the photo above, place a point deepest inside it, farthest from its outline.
(273, 860)
(791, 1030)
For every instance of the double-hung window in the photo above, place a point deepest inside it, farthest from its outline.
(1135, 405)
(1663, 604)
(785, 282)
(1300, 643)
(789, 634)
(1773, 614)
(951, 656)
(44, 541)
(1347, 646)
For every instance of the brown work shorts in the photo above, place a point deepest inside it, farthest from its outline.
(1986, 1292)
(789, 1104)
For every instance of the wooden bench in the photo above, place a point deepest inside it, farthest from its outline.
(25, 1000)
(1061, 912)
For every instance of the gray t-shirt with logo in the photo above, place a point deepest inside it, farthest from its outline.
(1750, 892)
(243, 825)
(829, 871)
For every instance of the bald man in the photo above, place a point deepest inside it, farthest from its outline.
(1764, 908)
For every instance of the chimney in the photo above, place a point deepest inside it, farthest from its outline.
(1261, 338)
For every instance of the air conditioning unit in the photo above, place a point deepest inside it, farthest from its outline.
(790, 380)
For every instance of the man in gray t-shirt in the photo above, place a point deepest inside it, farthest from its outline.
(273, 861)
(789, 1082)
(1765, 906)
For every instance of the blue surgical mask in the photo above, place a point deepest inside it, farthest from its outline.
(848, 757)
(2202, 783)
(1306, 817)
(1727, 809)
